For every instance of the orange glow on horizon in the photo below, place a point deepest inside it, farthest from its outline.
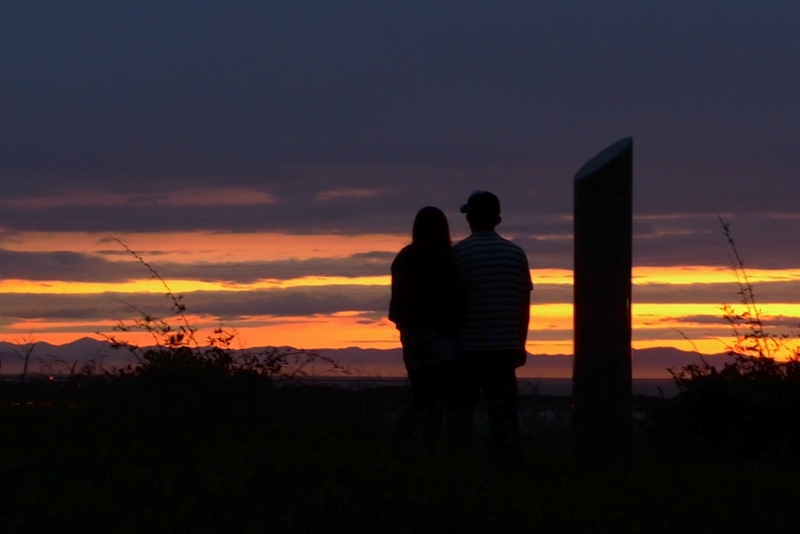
(642, 276)
(340, 330)
(194, 247)
(191, 247)
(180, 286)
(700, 274)
(658, 326)
(659, 321)
(703, 345)
(559, 316)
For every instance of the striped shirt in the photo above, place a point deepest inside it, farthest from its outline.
(493, 273)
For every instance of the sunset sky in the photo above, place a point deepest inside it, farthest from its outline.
(268, 158)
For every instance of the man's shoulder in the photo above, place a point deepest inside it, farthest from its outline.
(477, 238)
(488, 240)
(461, 244)
(510, 244)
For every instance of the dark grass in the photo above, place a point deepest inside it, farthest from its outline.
(244, 455)
(195, 440)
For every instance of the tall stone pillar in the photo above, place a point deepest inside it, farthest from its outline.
(602, 304)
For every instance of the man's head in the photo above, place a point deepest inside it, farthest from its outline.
(483, 211)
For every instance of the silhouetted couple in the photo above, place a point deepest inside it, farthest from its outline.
(462, 313)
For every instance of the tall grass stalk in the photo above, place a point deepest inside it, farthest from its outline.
(749, 405)
(24, 350)
(178, 348)
(754, 349)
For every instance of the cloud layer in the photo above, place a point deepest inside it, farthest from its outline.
(317, 300)
(68, 266)
(345, 118)
(321, 101)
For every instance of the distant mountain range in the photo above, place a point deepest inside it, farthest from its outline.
(47, 358)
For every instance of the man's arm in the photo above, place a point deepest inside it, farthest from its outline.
(525, 311)
(525, 318)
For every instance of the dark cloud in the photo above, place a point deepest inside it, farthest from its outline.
(291, 217)
(425, 100)
(658, 241)
(780, 321)
(692, 333)
(764, 240)
(65, 266)
(77, 267)
(720, 293)
(299, 301)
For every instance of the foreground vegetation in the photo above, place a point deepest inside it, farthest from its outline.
(247, 454)
(203, 438)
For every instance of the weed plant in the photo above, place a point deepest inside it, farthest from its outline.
(177, 353)
(751, 406)
(24, 351)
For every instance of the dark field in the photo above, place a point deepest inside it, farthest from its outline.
(246, 455)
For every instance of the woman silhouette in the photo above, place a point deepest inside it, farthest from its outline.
(426, 307)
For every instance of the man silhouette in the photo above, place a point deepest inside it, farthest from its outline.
(495, 279)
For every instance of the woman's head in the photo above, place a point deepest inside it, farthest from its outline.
(431, 229)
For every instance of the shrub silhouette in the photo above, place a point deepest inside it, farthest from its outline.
(177, 353)
(750, 406)
(183, 386)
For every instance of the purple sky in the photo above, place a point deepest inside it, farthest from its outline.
(347, 117)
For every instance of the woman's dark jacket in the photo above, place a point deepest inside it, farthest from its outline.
(425, 292)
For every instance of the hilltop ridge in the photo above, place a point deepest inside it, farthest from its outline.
(647, 363)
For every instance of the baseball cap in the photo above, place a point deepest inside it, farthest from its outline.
(482, 203)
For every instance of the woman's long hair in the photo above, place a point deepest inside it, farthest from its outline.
(431, 231)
